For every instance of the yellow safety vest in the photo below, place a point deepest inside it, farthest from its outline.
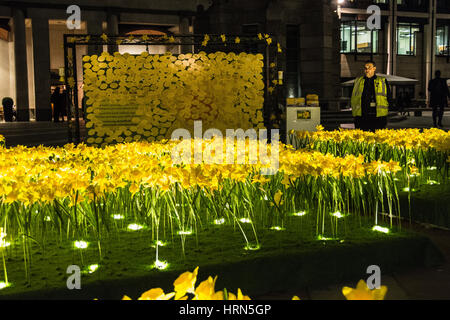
(380, 97)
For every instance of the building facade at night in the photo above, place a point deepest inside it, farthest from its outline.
(325, 42)
(413, 40)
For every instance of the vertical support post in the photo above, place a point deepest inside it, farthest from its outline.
(75, 96)
(66, 70)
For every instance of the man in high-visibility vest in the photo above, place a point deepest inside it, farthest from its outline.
(370, 100)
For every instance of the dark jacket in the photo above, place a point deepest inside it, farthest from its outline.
(438, 92)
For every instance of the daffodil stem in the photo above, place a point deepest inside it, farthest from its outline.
(4, 266)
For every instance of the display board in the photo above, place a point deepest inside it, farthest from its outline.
(146, 97)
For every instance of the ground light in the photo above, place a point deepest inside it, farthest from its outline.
(380, 229)
(159, 244)
(337, 214)
(4, 285)
(185, 232)
(299, 214)
(250, 247)
(277, 228)
(160, 265)
(80, 244)
(245, 220)
(219, 221)
(322, 238)
(408, 189)
(432, 182)
(135, 227)
(118, 217)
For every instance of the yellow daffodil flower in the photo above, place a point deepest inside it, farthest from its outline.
(362, 292)
(185, 283)
(156, 294)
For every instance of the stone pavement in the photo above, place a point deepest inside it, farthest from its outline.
(415, 284)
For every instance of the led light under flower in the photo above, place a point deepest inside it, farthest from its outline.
(408, 190)
(299, 214)
(118, 217)
(432, 168)
(277, 228)
(219, 221)
(380, 229)
(322, 238)
(4, 285)
(160, 265)
(250, 247)
(245, 220)
(158, 243)
(135, 227)
(432, 182)
(92, 268)
(47, 218)
(80, 244)
(184, 232)
(337, 214)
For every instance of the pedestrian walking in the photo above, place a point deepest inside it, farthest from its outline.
(438, 97)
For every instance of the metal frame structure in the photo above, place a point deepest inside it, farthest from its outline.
(250, 44)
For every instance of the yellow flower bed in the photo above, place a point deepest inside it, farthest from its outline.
(184, 288)
(43, 174)
(409, 139)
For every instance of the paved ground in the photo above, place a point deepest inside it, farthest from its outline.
(415, 284)
(410, 121)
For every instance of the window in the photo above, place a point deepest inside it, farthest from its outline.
(442, 41)
(356, 37)
(406, 39)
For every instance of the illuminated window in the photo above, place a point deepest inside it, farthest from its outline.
(356, 37)
(406, 39)
(442, 41)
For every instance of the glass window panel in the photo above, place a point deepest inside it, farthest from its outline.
(347, 37)
(442, 40)
(406, 39)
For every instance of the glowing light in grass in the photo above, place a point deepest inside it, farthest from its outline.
(160, 265)
(135, 227)
(277, 228)
(322, 238)
(219, 221)
(396, 179)
(185, 232)
(380, 229)
(92, 268)
(432, 182)
(251, 247)
(47, 218)
(118, 217)
(159, 244)
(4, 244)
(80, 244)
(4, 284)
(408, 190)
(299, 214)
(245, 220)
(432, 168)
(337, 214)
